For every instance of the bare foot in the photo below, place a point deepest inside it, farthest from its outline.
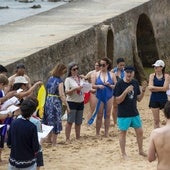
(124, 157)
(68, 142)
(142, 153)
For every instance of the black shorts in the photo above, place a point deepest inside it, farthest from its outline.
(2, 139)
(159, 105)
(39, 157)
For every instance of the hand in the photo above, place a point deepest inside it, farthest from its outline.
(129, 89)
(100, 86)
(68, 109)
(144, 85)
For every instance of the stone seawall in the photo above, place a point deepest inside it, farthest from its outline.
(140, 35)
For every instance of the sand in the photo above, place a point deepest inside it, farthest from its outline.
(95, 153)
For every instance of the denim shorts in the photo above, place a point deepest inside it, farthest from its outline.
(125, 122)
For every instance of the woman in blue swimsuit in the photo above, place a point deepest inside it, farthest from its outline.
(104, 82)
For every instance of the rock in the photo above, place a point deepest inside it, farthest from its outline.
(36, 6)
(4, 7)
(26, 1)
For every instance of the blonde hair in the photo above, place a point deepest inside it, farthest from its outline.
(3, 79)
(58, 70)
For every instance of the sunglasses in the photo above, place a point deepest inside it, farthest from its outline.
(74, 69)
(97, 65)
(102, 65)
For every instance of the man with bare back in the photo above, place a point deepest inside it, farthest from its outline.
(159, 143)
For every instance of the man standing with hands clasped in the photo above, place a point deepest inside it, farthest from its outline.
(127, 93)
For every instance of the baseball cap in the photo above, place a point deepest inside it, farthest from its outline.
(20, 79)
(20, 65)
(129, 69)
(159, 63)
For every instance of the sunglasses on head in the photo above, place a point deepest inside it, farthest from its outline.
(74, 69)
(102, 65)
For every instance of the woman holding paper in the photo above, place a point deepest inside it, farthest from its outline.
(54, 100)
(75, 99)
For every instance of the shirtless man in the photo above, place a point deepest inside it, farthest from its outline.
(20, 71)
(159, 143)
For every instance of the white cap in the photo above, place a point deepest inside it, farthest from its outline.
(20, 79)
(159, 63)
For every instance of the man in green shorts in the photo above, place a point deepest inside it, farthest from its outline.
(127, 93)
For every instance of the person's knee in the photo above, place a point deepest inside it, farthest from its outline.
(139, 132)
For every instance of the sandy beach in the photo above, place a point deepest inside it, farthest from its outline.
(95, 153)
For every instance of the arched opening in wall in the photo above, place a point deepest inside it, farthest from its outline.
(109, 45)
(146, 44)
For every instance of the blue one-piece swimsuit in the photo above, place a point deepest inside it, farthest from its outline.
(103, 95)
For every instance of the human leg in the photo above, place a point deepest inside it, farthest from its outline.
(92, 102)
(139, 137)
(78, 122)
(99, 119)
(54, 139)
(156, 118)
(122, 143)
(107, 119)
(0, 154)
(68, 131)
(114, 112)
(77, 130)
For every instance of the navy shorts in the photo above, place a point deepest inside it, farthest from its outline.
(159, 105)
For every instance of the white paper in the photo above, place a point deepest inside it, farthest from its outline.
(12, 101)
(10, 109)
(2, 125)
(45, 131)
(168, 92)
(86, 87)
(19, 90)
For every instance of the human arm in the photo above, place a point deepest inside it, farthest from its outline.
(7, 96)
(29, 91)
(152, 150)
(62, 96)
(121, 97)
(71, 87)
(142, 91)
(164, 88)
(93, 79)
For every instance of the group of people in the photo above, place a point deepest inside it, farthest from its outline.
(113, 90)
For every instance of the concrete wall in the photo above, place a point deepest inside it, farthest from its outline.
(140, 35)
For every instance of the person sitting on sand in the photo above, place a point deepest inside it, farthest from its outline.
(127, 93)
(159, 146)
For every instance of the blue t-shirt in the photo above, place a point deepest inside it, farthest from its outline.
(128, 107)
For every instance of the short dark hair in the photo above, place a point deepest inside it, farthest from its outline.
(119, 60)
(20, 65)
(167, 110)
(28, 107)
(3, 69)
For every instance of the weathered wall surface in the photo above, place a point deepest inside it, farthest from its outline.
(80, 48)
(139, 41)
